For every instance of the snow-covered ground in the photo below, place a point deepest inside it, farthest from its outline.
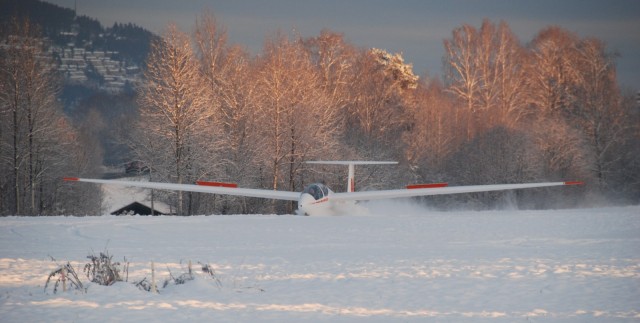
(578, 265)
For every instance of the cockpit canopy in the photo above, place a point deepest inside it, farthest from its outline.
(317, 190)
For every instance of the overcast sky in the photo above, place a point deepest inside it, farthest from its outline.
(414, 27)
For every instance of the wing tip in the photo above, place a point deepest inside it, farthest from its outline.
(574, 183)
(70, 179)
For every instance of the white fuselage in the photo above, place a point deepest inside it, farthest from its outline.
(315, 200)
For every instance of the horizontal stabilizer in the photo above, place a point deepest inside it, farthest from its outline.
(351, 162)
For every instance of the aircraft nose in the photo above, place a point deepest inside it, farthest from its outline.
(304, 202)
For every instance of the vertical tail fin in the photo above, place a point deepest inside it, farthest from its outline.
(351, 176)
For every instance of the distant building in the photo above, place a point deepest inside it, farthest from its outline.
(123, 200)
(136, 208)
(77, 63)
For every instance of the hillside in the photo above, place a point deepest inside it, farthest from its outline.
(62, 26)
(86, 53)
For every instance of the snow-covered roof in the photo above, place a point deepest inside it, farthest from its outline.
(116, 197)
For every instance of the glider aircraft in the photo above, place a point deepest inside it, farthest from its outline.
(317, 198)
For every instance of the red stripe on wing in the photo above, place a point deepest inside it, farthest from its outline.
(217, 184)
(434, 185)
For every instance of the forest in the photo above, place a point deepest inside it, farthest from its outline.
(503, 111)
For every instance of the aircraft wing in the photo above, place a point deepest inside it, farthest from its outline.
(387, 194)
(203, 188)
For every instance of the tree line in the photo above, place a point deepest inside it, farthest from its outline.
(38, 143)
(504, 112)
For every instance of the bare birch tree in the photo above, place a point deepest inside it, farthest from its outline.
(486, 57)
(231, 93)
(551, 74)
(461, 73)
(511, 70)
(486, 70)
(574, 81)
(30, 98)
(336, 60)
(297, 120)
(599, 112)
(173, 110)
(433, 136)
(552, 70)
(377, 115)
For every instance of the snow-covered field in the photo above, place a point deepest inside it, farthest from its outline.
(578, 265)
